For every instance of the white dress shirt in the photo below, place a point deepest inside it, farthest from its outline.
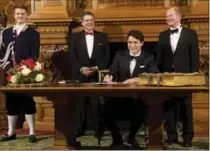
(133, 62)
(174, 38)
(89, 43)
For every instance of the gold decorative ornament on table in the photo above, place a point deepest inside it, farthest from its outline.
(172, 79)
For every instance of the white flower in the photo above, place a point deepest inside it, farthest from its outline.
(39, 77)
(25, 71)
(13, 79)
(38, 66)
(23, 67)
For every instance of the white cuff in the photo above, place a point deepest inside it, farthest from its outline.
(81, 69)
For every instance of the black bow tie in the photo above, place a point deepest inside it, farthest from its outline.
(134, 57)
(174, 31)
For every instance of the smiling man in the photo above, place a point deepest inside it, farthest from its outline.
(126, 67)
(178, 52)
(89, 52)
(19, 42)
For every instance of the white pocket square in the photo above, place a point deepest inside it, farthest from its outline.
(141, 66)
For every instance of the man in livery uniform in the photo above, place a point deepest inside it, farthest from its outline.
(18, 43)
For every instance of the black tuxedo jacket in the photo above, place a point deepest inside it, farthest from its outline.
(79, 54)
(120, 68)
(186, 56)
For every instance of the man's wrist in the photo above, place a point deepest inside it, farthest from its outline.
(96, 67)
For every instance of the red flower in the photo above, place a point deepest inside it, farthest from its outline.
(20, 69)
(28, 63)
(17, 66)
(8, 77)
(31, 66)
(23, 62)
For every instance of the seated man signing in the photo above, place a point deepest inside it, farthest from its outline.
(126, 66)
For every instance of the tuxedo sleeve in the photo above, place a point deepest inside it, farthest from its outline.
(104, 62)
(35, 45)
(152, 67)
(159, 53)
(114, 69)
(194, 52)
(75, 64)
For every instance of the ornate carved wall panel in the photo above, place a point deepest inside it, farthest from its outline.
(49, 9)
(103, 4)
(9, 4)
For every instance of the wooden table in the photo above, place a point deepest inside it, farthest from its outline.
(63, 98)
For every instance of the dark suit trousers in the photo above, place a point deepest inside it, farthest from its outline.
(133, 109)
(83, 105)
(185, 109)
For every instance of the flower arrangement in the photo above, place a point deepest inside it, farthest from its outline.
(27, 72)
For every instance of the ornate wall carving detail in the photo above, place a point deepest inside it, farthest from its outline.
(204, 48)
(83, 4)
(131, 3)
(9, 8)
(46, 52)
(119, 3)
(53, 32)
(155, 21)
(53, 2)
(201, 27)
(204, 58)
(179, 2)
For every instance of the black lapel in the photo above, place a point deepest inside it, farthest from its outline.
(11, 34)
(181, 38)
(84, 44)
(139, 62)
(169, 39)
(95, 42)
(127, 62)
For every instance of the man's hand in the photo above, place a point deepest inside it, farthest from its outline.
(88, 71)
(95, 68)
(131, 81)
(108, 78)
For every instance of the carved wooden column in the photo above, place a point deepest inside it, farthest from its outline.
(52, 21)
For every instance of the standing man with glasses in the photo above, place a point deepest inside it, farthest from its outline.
(178, 52)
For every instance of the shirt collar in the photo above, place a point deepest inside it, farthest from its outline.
(20, 27)
(179, 27)
(136, 55)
